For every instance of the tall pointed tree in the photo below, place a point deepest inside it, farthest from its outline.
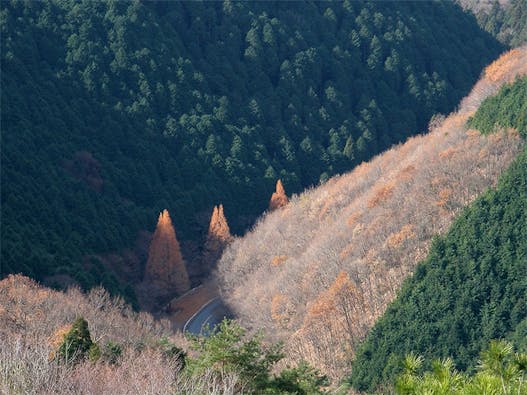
(218, 238)
(279, 198)
(165, 272)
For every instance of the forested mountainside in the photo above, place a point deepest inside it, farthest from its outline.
(472, 286)
(114, 111)
(319, 272)
(90, 343)
(504, 19)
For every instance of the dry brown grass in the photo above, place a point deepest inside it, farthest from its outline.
(373, 224)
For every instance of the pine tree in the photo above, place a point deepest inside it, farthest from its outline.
(77, 342)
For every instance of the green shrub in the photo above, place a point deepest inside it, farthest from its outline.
(229, 349)
(171, 351)
(77, 342)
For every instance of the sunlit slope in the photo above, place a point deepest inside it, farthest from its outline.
(472, 286)
(319, 272)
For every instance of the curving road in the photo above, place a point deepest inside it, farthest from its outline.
(211, 314)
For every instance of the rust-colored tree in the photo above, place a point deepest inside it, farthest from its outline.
(218, 238)
(333, 325)
(279, 198)
(342, 301)
(166, 274)
(282, 309)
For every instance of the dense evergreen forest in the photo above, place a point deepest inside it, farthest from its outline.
(508, 109)
(504, 20)
(472, 286)
(113, 111)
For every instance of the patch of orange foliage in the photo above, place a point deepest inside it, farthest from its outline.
(483, 153)
(381, 195)
(218, 227)
(447, 153)
(165, 268)
(472, 133)
(346, 251)
(496, 137)
(218, 237)
(281, 309)
(321, 307)
(278, 260)
(57, 338)
(342, 290)
(406, 173)
(501, 67)
(444, 195)
(352, 219)
(395, 240)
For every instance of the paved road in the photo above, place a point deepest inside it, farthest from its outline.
(211, 314)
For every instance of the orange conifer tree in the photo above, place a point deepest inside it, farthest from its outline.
(279, 198)
(165, 272)
(219, 236)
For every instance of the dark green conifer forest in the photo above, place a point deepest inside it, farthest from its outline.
(472, 287)
(507, 109)
(113, 111)
(505, 20)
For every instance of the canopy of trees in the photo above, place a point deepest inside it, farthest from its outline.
(504, 20)
(112, 111)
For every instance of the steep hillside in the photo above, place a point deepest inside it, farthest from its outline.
(114, 111)
(504, 19)
(319, 272)
(472, 286)
(73, 343)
